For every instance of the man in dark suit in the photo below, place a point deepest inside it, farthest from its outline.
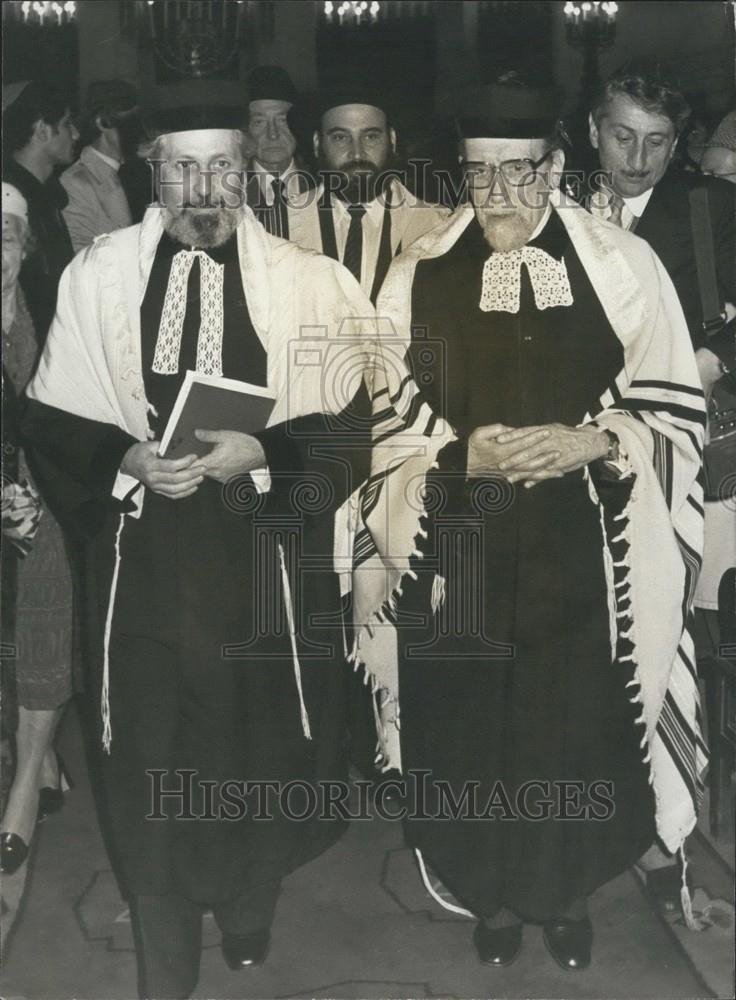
(273, 172)
(635, 124)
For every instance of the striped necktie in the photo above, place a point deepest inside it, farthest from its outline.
(279, 210)
(353, 256)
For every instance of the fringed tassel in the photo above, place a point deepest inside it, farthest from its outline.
(380, 732)
(433, 892)
(692, 922)
(345, 650)
(610, 589)
(285, 586)
(105, 699)
(438, 593)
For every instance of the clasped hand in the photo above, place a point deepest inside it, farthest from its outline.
(233, 454)
(532, 454)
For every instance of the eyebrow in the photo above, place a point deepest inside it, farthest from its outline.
(628, 128)
(346, 128)
(195, 156)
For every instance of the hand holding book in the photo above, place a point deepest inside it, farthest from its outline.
(233, 454)
(175, 478)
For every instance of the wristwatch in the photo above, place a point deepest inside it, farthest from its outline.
(613, 443)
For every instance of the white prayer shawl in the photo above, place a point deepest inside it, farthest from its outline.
(656, 408)
(310, 314)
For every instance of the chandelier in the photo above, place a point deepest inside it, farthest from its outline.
(590, 23)
(49, 12)
(352, 9)
(590, 28)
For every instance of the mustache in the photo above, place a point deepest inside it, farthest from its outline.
(635, 174)
(206, 205)
(360, 165)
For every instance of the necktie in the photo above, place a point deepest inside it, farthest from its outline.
(502, 280)
(209, 341)
(616, 204)
(279, 210)
(352, 258)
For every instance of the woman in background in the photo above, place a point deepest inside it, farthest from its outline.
(32, 541)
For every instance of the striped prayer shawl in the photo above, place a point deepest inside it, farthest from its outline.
(656, 407)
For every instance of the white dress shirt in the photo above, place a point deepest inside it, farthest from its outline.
(290, 177)
(109, 160)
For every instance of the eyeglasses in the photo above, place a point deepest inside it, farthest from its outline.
(518, 173)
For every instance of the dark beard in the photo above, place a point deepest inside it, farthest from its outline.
(362, 184)
(364, 180)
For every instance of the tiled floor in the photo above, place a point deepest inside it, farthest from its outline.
(356, 922)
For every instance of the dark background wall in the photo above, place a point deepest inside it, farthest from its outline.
(424, 58)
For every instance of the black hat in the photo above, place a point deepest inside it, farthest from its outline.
(360, 93)
(193, 105)
(105, 96)
(508, 109)
(270, 83)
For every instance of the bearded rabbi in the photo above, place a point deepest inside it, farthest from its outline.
(181, 552)
(534, 514)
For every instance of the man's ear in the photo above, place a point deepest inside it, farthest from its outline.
(392, 139)
(558, 165)
(593, 132)
(315, 144)
(41, 130)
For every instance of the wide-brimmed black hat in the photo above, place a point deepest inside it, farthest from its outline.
(358, 93)
(508, 109)
(193, 105)
(270, 83)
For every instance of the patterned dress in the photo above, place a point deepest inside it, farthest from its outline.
(43, 608)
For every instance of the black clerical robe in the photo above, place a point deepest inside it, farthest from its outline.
(513, 682)
(202, 686)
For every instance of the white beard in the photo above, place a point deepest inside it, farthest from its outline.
(504, 233)
(203, 227)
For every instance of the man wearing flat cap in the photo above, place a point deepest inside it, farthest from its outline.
(273, 175)
(534, 515)
(209, 586)
(362, 214)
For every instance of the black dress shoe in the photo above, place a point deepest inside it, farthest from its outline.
(569, 942)
(50, 797)
(243, 950)
(13, 852)
(497, 945)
